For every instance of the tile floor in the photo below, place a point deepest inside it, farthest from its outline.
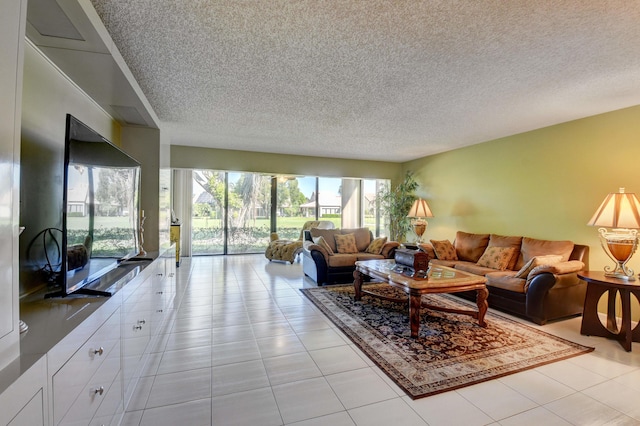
(245, 347)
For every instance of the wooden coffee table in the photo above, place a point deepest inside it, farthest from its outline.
(440, 279)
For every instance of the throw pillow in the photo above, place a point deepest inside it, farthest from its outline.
(323, 243)
(470, 247)
(538, 261)
(503, 241)
(496, 257)
(376, 245)
(444, 250)
(346, 243)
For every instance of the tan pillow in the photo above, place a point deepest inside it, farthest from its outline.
(327, 234)
(444, 250)
(496, 257)
(376, 245)
(362, 236)
(538, 261)
(470, 247)
(323, 243)
(503, 241)
(346, 243)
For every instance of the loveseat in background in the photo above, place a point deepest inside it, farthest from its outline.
(324, 267)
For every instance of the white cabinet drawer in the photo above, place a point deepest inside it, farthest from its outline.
(99, 395)
(83, 372)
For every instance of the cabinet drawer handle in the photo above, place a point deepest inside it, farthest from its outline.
(142, 321)
(98, 391)
(160, 274)
(98, 351)
(160, 292)
(137, 327)
(160, 310)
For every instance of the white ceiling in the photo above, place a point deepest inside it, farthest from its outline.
(372, 79)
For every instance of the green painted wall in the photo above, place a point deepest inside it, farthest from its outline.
(184, 157)
(546, 183)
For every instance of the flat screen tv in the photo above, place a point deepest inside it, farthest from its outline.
(100, 221)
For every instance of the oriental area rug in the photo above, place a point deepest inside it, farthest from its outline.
(451, 351)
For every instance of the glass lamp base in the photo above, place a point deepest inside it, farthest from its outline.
(619, 245)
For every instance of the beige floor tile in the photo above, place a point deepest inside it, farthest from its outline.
(175, 388)
(290, 368)
(185, 359)
(234, 352)
(321, 339)
(337, 359)
(361, 387)
(254, 407)
(233, 378)
(280, 345)
(536, 386)
(448, 408)
(336, 419)
(391, 412)
(496, 399)
(580, 409)
(193, 413)
(306, 399)
(535, 417)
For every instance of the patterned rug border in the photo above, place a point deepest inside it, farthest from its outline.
(357, 328)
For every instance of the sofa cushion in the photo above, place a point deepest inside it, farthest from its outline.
(470, 246)
(340, 260)
(376, 245)
(368, 256)
(506, 281)
(532, 247)
(346, 243)
(535, 261)
(327, 234)
(444, 250)
(362, 235)
(496, 257)
(323, 243)
(473, 268)
(502, 241)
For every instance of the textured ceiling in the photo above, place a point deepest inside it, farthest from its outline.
(371, 79)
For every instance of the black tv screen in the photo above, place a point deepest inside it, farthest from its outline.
(101, 220)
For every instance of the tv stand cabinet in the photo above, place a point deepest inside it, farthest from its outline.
(82, 356)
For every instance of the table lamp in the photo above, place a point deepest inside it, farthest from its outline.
(621, 212)
(419, 211)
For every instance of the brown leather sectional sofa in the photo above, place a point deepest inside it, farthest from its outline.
(538, 281)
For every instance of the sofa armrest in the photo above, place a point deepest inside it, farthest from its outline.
(389, 249)
(557, 268)
(274, 236)
(316, 247)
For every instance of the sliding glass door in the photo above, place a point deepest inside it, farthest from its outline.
(232, 213)
(293, 206)
(249, 217)
(208, 212)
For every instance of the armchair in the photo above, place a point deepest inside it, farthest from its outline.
(288, 250)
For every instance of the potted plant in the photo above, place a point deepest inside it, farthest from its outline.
(395, 203)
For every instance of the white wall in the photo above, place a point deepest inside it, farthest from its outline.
(12, 28)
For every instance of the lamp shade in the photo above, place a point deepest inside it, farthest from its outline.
(420, 209)
(618, 210)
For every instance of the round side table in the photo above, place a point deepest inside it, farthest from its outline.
(597, 285)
